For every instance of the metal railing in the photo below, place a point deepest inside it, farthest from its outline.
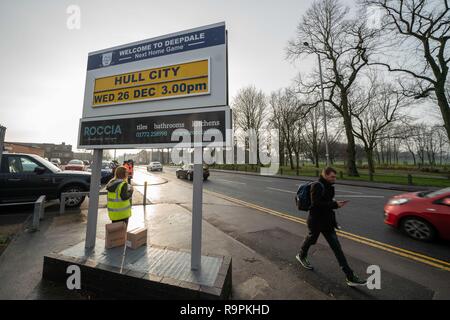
(65, 195)
(38, 212)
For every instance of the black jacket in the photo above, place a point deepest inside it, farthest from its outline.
(321, 215)
(125, 194)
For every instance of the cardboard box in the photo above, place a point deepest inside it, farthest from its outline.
(137, 237)
(115, 234)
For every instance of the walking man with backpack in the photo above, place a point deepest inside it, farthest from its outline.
(318, 198)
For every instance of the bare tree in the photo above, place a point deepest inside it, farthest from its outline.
(345, 45)
(287, 112)
(250, 112)
(376, 107)
(312, 135)
(422, 26)
(107, 155)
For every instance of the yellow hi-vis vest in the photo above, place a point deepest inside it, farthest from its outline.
(118, 209)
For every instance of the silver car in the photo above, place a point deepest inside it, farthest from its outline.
(154, 166)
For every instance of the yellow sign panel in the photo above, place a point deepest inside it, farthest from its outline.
(153, 91)
(191, 78)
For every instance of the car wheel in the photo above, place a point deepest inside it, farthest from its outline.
(73, 202)
(418, 229)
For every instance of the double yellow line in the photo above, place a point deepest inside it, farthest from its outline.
(440, 264)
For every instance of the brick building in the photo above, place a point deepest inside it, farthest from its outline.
(19, 148)
(61, 151)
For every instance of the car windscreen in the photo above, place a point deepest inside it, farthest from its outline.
(48, 164)
(432, 194)
(76, 162)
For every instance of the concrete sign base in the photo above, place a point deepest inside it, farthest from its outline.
(146, 274)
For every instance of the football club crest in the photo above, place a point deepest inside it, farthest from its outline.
(106, 59)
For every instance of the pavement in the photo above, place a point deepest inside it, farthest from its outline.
(169, 224)
(362, 216)
(272, 227)
(261, 237)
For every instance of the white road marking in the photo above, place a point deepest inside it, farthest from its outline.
(218, 179)
(282, 190)
(349, 191)
(357, 196)
(339, 190)
(337, 195)
(255, 179)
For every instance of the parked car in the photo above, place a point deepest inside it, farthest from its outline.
(421, 215)
(187, 172)
(25, 177)
(56, 162)
(76, 165)
(106, 172)
(154, 166)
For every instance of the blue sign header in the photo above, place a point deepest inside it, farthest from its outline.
(156, 48)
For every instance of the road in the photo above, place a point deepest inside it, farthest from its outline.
(361, 221)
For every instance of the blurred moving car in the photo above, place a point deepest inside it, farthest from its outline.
(25, 177)
(75, 165)
(421, 215)
(187, 172)
(154, 166)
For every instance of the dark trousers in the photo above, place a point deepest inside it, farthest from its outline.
(333, 241)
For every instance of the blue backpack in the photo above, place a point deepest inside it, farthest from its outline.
(303, 196)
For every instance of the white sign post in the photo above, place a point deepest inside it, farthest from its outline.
(91, 229)
(197, 200)
(2, 141)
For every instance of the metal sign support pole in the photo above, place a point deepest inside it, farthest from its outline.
(91, 230)
(2, 141)
(197, 199)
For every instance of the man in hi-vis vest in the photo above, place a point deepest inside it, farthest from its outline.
(119, 196)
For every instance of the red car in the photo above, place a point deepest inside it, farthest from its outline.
(76, 165)
(421, 215)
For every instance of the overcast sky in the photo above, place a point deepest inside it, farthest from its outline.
(43, 64)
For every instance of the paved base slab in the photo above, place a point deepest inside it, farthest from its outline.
(148, 272)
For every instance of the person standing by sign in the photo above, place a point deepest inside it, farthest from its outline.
(131, 170)
(119, 196)
(126, 165)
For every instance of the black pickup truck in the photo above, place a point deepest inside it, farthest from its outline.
(25, 177)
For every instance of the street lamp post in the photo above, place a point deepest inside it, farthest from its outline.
(327, 154)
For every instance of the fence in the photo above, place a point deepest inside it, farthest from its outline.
(38, 212)
(406, 178)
